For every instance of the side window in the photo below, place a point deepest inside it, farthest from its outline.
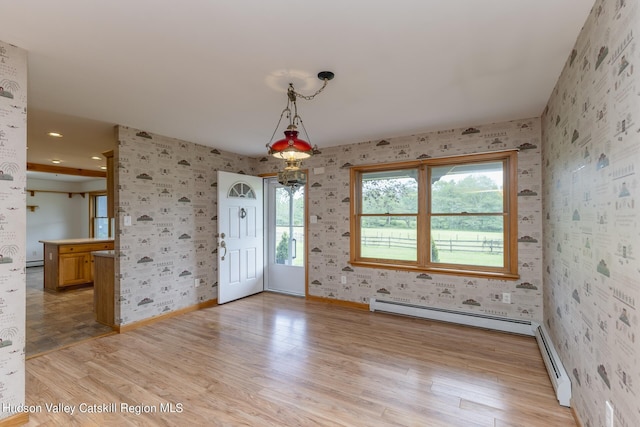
(388, 217)
(99, 221)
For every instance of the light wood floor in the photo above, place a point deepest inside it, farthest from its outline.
(274, 360)
(57, 319)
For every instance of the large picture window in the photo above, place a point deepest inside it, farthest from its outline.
(453, 215)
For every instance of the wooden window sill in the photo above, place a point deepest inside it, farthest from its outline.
(435, 270)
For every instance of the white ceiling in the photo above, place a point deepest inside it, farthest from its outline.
(216, 72)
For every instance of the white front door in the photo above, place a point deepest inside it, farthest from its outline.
(240, 236)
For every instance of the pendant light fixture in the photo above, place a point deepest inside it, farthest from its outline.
(291, 148)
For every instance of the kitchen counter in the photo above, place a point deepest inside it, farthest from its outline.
(106, 254)
(81, 241)
(69, 262)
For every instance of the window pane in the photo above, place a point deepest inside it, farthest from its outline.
(389, 237)
(470, 240)
(390, 192)
(283, 222)
(101, 206)
(472, 188)
(283, 198)
(297, 242)
(298, 207)
(282, 245)
(101, 228)
(290, 235)
(286, 245)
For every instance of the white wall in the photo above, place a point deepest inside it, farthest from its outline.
(57, 216)
(99, 184)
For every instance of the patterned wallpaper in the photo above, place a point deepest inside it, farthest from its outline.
(168, 188)
(591, 149)
(329, 237)
(13, 179)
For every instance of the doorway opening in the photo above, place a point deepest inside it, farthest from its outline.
(286, 239)
(66, 207)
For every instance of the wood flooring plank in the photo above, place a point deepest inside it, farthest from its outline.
(515, 418)
(274, 360)
(395, 416)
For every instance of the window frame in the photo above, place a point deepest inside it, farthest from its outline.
(92, 213)
(423, 232)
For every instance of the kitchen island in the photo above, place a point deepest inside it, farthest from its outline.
(69, 262)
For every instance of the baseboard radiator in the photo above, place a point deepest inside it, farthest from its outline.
(36, 263)
(557, 374)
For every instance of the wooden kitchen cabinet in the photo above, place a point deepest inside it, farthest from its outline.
(69, 262)
(75, 269)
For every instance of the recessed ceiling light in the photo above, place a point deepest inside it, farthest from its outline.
(96, 158)
(55, 161)
(55, 134)
(103, 167)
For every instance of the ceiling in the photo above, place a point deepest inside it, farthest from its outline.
(81, 139)
(216, 72)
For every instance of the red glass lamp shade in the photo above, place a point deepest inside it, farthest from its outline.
(291, 147)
